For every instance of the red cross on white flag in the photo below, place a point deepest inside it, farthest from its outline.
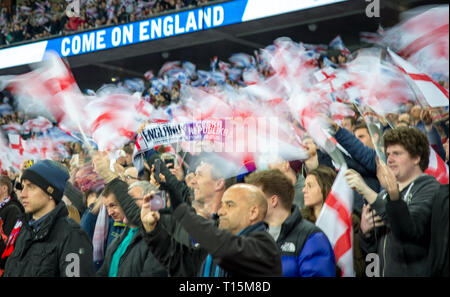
(335, 220)
(15, 142)
(435, 94)
(437, 168)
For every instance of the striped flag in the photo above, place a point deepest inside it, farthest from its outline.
(369, 37)
(100, 235)
(434, 94)
(437, 168)
(335, 220)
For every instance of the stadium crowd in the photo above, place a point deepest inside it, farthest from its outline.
(36, 19)
(182, 215)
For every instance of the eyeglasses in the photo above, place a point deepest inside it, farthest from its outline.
(130, 177)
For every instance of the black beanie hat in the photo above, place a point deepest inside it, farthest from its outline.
(50, 176)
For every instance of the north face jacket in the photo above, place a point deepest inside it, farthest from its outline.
(305, 249)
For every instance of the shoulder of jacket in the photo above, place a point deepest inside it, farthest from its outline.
(425, 183)
(425, 178)
(260, 235)
(69, 226)
(12, 205)
(318, 241)
(296, 238)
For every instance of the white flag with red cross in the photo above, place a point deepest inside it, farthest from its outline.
(437, 168)
(434, 94)
(335, 220)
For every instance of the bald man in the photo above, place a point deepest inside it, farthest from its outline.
(240, 247)
(242, 206)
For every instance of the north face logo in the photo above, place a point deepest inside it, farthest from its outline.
(288, 247)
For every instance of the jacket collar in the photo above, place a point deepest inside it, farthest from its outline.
(260, 226)
(291, 221)
(59, 211)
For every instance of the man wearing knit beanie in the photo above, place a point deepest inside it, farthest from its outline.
(50, 177)
(49, 243)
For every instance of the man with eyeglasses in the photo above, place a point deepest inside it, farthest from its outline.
(128, 255)
(138, 190)
(130, 175)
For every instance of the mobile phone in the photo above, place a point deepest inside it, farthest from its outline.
(169, 163)
(157, 164)
(169, 159)
(158, 201)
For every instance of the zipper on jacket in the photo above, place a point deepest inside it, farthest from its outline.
(384, 254)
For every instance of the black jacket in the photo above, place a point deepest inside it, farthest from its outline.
(133, 212)
(403, 244)
(76, 197)
(439, 248)
(9, 214)
(137, 261)
(59, 248)
(252, 254)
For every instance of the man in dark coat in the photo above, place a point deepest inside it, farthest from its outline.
(402, 239)
(10, 210)
(47, 242)
(239, 247)
(128, 255)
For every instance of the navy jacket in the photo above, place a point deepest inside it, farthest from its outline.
(359, 152)
(363, 161)
(433, 138)
(305, 249)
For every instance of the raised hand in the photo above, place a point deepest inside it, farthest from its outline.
(357, 183)
(369, 219)
(101, 163)
(149, 218)
(387, 180)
